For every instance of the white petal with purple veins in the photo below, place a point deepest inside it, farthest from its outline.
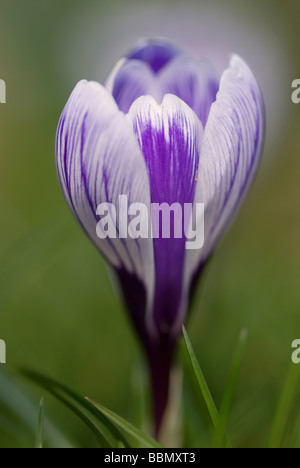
(98, 159)
(229, 157)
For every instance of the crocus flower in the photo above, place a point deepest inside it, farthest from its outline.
(162, 129)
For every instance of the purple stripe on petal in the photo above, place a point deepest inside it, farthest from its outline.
(170, 137)
(155, 52)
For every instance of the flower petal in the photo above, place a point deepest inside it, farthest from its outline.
(230, 154)
(170, 137)
(155, 52)
(195, 82)
(98, 159)
(129, 80)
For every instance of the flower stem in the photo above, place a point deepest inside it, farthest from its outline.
(160, 361)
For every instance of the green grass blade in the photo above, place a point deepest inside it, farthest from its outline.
(283, 408)
(140, 412)
(144, 439)
(106, 432)
(40, 426)
(212, 409)
(218, 441)
(18, 415)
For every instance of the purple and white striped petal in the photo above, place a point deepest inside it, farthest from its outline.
(170, 137)
(229, 157)
(98, 159)
(129, 80)
(193, 81)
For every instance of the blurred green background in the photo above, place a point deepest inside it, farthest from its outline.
(58, 311)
